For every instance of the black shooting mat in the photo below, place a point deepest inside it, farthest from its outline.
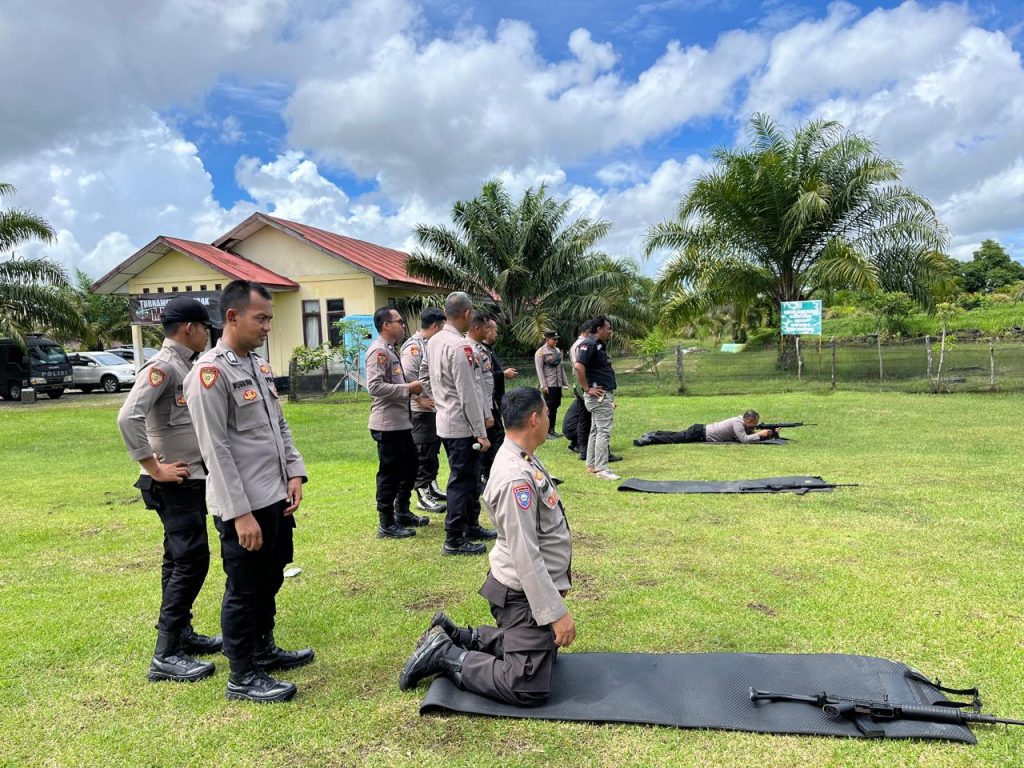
(711, 690)
(796, 484)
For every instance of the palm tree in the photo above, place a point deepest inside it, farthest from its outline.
(106, 318)
(539, 270)
(792, 215)
(31, 296)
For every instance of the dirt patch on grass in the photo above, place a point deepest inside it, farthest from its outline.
(767, 610)
(432, 602)
(585, 587)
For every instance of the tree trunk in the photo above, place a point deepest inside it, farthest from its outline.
(787, 353)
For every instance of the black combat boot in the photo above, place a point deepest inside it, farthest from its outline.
(194, 643)
(387, 528)
(437, 492)
(426, 501)
(467, 638)
(459, 545)
(477, 532)
(248, 682)
(406, 519)
(269, 657)
(437, 655)
(170, 662)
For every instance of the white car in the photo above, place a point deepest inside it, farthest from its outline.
(101, 370)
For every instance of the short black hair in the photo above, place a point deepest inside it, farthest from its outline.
(585, 326)
(431, 316)
(751, 414)
(236, 295)
(518, 404)
(381, 316)
(171, 329)
(478, 318)
(598, 323)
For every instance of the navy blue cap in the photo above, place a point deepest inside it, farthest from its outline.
(185, 310)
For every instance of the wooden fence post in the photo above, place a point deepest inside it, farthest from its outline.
(680, 372)
(833, 364)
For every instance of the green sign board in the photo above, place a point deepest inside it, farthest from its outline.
(801, 318)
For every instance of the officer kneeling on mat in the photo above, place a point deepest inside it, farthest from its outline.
(526, 586)
(254, 486)
(157, 430)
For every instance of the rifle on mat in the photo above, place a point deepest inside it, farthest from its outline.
(864, 713)
(775, 427)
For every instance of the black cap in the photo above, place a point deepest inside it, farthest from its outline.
(550, 334)
(185, 310)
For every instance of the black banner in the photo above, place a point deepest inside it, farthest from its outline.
(148, 308)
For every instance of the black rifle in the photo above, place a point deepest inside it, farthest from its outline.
(783, 425)
(860, 710)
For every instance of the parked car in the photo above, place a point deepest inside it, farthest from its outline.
(103, 370)
(42, 364)
(128, 353)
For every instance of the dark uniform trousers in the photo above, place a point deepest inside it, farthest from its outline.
(582, 427)
(513, 662)
(695, 433)
(463, 489)
(554, 399)
(253, 579)
(396, 471)
(496, 436)
(428, 446)
(182, 511)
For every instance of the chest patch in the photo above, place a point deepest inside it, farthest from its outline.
(180, 401)
(208, 376)
(249, 394)
(396, 369)
(524, 496)
(265, 370)
(156, 377)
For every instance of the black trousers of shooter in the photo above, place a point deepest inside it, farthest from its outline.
(496, 435)
(554, 399)
(396, 471)
(463, 485)
(692, 434)
(512, 662)
(253, 579)
(428, 447)
(186, 561)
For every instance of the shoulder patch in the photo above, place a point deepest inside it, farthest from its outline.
(469, 354)
(156, 376)
(415, 349)
(382, 357)
(524, 495)
(208, 376)
(583, 348)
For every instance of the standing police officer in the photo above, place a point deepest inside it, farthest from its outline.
(460, 425)
(529, 578)
(496, 432)
(391, 428)
(416, 366)
(597, 380)
(254, 485)
(550, 377)
(157, 430)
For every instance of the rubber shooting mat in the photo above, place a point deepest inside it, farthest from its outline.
(799, 484)
(712, 690)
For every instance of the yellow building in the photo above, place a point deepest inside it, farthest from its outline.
(316, 277)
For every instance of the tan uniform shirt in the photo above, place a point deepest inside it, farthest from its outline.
(485, 377)
(728, 431)
(385, 381)
(154, 418)
(550, 373)
(244, 438)
(453, 385)
(533, 552)
(416, 368)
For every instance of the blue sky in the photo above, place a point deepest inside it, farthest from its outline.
(128, 120)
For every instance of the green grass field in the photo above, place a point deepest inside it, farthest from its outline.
(920, 564)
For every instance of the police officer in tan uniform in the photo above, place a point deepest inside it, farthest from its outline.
(529, 578)
(460, 425)
(416, 365)
(479, 331)
(391, 428)
(157, 430)
(254, 485)
(551, 377)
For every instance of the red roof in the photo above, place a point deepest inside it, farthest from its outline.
(231, 263)
(376, 259)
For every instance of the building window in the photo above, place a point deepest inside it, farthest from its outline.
(145, 290)
(174, 289)
(159, 290)
(216, 287)
(335, 312)
(188, 287)
(311, 323)
(202, 287)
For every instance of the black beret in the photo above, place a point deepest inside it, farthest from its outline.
(185, 310)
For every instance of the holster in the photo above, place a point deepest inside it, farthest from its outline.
(150, 493)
